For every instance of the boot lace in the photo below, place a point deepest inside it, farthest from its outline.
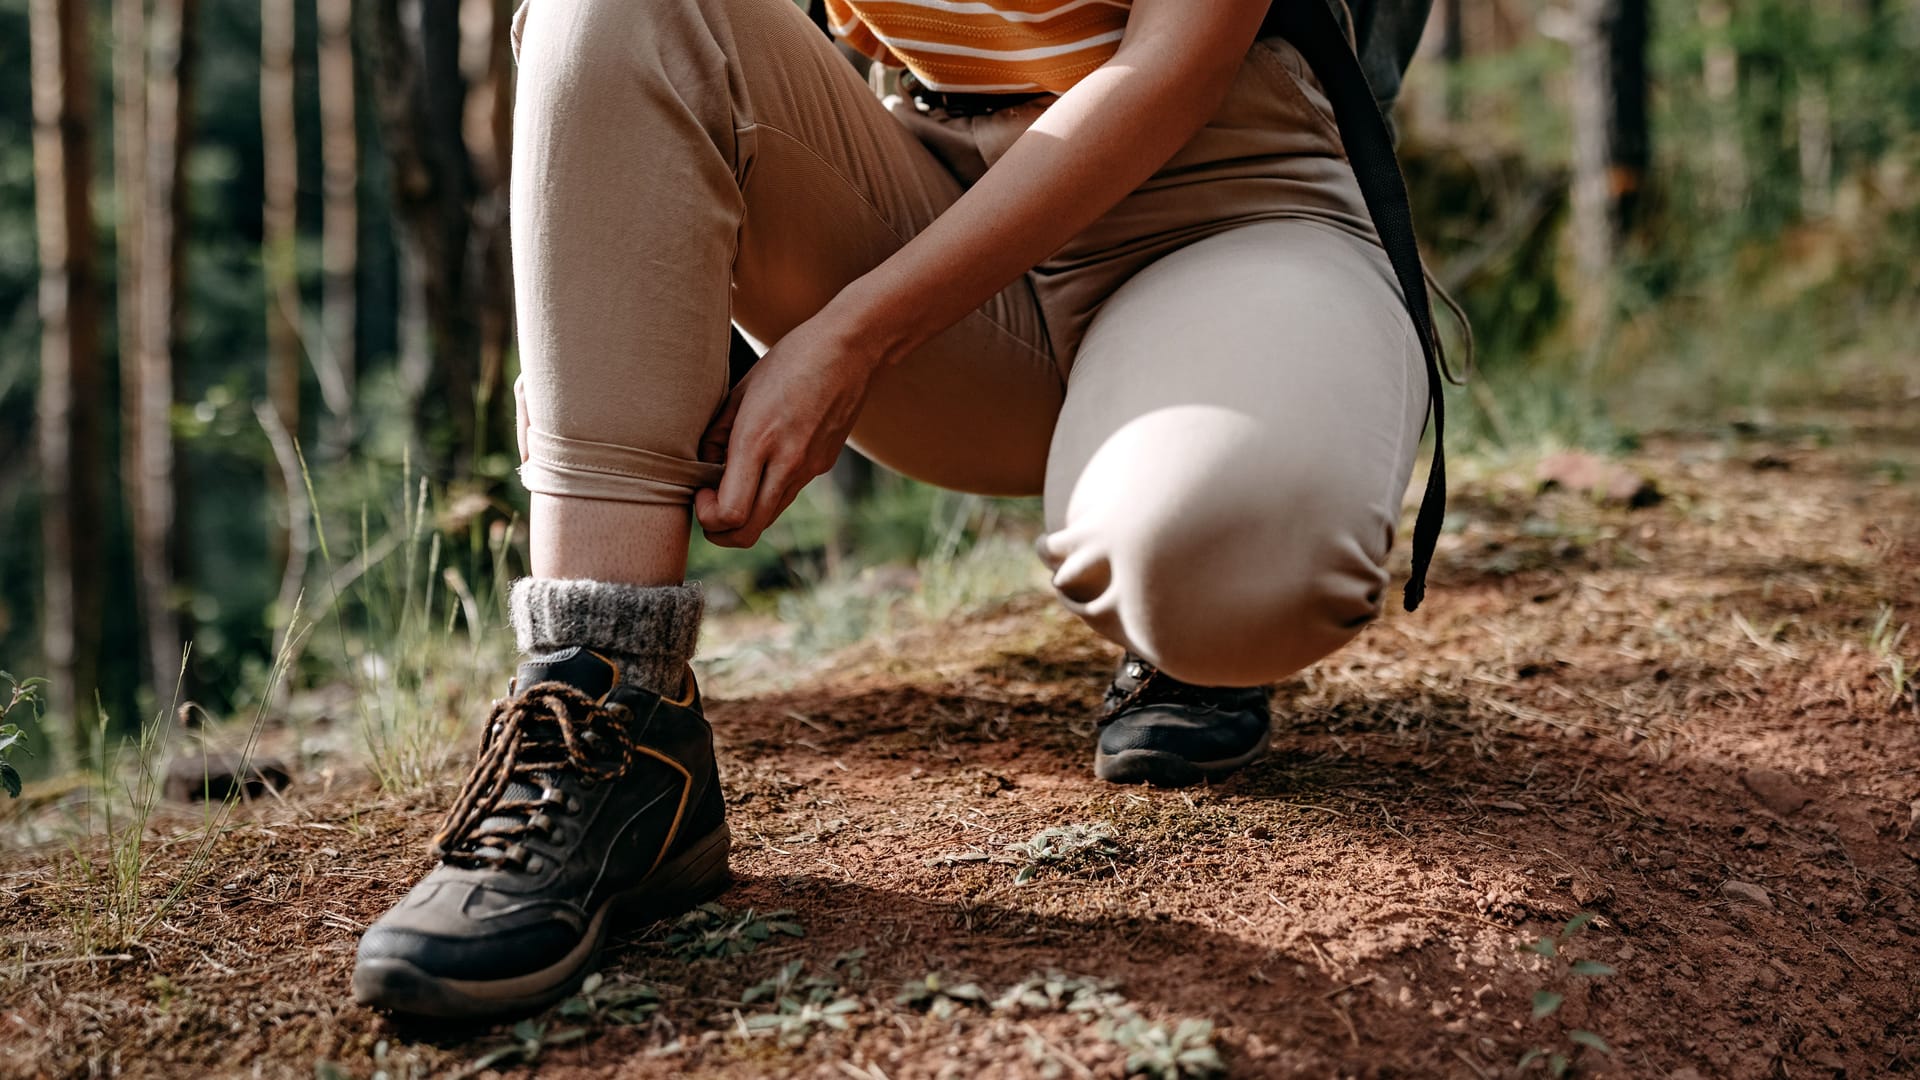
(547, 731)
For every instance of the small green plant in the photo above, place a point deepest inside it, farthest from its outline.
(21, 693)
(711, 930)
(801, 1005)
(940, 996)
(1067, 847)
(603, 1003)
(1562, 1060)
(529, 1039)
(1155, 1050)
(1055, 992)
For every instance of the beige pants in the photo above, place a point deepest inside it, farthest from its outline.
(1215, 386)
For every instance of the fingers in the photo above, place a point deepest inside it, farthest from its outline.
(713, 443)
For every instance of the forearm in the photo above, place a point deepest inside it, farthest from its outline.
(1091, 148)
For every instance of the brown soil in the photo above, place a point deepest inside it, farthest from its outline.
(1674, 717)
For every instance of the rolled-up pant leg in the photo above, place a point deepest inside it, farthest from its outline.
(680, 162)
(1228, 468)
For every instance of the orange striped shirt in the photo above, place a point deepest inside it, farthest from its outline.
(985, 46)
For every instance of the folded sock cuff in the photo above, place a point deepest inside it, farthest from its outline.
(654, 628)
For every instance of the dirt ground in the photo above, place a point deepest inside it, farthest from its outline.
(1686, 719)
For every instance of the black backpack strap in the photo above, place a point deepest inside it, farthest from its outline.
(1313, 28)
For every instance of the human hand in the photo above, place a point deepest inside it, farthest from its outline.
(782, 425)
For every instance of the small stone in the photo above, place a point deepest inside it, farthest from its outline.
(1746, 892)
(216, 776)
(1597, 478)
(1776, 790)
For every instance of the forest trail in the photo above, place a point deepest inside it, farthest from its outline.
(1685, 719)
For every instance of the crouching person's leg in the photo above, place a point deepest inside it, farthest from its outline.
(657, 190)
(1226, 476)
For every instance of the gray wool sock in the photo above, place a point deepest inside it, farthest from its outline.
(650, 630)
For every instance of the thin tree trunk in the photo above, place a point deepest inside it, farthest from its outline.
(1453, 50)
(1610, 140)
(340, 229)
(69, 403)
(280, 150)
(489, 139)
(452, 228)
(155, 476)
(1720, 78)
(1813, 124)
(130, 199)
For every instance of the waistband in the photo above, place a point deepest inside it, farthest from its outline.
(958, 104)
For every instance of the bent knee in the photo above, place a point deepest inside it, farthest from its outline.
(1223, 603)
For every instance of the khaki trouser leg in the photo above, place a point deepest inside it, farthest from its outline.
(678, 160)
(1227, 471)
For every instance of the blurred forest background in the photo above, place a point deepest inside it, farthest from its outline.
(256, 334)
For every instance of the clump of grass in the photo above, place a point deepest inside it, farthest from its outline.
(419, 645)
(118, 897)
(1884, 641)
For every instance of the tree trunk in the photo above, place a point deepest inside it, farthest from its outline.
(130, 199)
(451, 210)
(69, 406)
(279, 235)
(1610, 148)
(340, 228)
(154, 477)
(1720, 78)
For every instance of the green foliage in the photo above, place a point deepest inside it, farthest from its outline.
(1547, 1001)
(21, 693)
(1067, 847)
(798, 1005)
(603, 1003)
(711, 930)
(939, 995)
(529, 1039)
(1155, 1050)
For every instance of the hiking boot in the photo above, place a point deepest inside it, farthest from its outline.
(1158, 730)
(591, 799)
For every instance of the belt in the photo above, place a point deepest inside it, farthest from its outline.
(956, 104)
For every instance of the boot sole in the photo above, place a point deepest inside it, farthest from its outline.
(1161, 769)
(690, 878)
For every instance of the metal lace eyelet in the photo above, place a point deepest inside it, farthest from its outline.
(557, 835)
(574, 805)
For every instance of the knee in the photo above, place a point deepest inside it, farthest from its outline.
(1228, 592)
(603, 51)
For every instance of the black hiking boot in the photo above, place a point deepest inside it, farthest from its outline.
(1158, 730)
(590, 799)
